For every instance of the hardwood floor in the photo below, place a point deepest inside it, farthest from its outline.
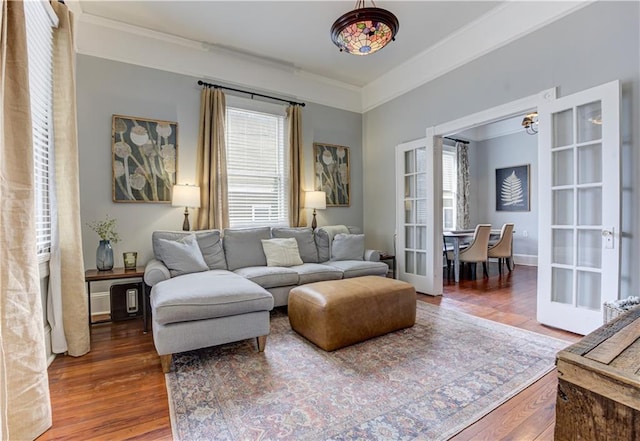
(117, 391)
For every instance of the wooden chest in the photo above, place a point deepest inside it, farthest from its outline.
(599, 384)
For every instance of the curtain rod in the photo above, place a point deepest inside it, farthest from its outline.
(457, 140)
(217, 86)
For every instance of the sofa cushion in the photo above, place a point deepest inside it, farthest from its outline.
(348, 247)
(315, 272)
(305, 238)
(269, 276)
(208, 241)
(182, 256)
(206, 295)
(357, 268)
(281, 251)
(243, 247)
(323, 235)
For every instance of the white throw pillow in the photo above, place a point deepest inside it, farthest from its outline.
(182, 256)
(347, 247)
(281, 251)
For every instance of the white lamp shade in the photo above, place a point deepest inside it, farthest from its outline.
(315, 199)
(186, 196)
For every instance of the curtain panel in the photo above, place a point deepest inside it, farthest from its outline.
(24, 388)
(211, 162)
(67, 300)
(462, 203)
(296, 165)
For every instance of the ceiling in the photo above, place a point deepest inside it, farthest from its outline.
(296, 33)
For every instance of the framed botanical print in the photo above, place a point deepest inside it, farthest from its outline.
(512, 188)
(144, 159)
(331, 170)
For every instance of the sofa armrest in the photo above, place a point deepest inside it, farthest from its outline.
(155, 272)
(372, 255)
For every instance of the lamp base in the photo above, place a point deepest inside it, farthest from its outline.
(314, 224)
(185, 224)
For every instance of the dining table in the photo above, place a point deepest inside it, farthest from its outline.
(459, 237)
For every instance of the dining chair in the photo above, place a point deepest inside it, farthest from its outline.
(447, 247)
(477, 251)
(502, 249)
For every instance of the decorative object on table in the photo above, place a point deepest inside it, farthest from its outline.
(331, 170)
(106, 229)
(144, 155)
(611, 310)
(512, 188)
(316, 200)
(187, 196)
(130, 259)
(364, 31)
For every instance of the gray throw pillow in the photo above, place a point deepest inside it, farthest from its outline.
(182, 256)
(347, 247)
(304, 237)
(209, 241)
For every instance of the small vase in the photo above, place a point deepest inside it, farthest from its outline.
(104, 256)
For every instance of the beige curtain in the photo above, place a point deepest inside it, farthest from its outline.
(24, 388)
(67, 301)
(212, 162)
(296, 165)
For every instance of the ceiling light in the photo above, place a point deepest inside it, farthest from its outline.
(364, 31)
(530, 123)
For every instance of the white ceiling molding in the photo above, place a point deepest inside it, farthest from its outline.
(117, 41)
(500, 26)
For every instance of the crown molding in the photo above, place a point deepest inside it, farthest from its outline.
(500, 26)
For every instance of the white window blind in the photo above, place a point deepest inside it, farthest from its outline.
(449, 188)
(257, 168)
(40, 55)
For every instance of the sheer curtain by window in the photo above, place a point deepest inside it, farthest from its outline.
(24, 390)
(67, 300)
(463, 220)
(212, 162)
(296, 161)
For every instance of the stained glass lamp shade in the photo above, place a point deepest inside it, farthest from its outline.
(364, 31)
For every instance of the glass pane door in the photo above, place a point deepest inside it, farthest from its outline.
(415, 211)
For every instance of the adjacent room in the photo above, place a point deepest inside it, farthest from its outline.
(304, 220)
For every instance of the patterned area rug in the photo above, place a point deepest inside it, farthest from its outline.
(428, 382)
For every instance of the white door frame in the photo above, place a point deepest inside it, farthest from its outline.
(493, 114)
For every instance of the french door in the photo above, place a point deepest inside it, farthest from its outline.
(417, 211)
(579, 188)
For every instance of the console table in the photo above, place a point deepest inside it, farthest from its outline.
(392, 258)
(93, 275)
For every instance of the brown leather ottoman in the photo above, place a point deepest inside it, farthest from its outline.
(338, 313)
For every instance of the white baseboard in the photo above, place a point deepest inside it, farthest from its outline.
(525, 259)
(100, 303)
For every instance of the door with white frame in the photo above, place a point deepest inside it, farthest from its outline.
(418, 163)
(579, 200)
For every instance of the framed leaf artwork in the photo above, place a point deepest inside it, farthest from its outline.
(331, 170)
(512, 188)
(144, 159)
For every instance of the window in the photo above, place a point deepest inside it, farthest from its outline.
(39, 22)
(449, 188)
(257, 168)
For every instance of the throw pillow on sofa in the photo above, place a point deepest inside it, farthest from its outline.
(182, 256)
(347, 247)
(281, 252)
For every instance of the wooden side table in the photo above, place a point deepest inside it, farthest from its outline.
(93, 275)
(385, 256)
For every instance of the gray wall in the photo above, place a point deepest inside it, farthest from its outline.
(106, 87)
(597, 44)
(505, 151)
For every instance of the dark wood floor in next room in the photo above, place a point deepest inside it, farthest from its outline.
(117, 391)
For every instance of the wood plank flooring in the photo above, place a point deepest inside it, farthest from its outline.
(117, 391)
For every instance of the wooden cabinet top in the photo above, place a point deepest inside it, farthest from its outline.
(115, 273)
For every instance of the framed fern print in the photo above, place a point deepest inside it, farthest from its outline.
(512, 188)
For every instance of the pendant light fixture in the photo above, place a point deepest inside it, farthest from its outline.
(364, 31)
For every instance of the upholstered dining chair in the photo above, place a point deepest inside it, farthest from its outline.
(502, 249)
(477, 251)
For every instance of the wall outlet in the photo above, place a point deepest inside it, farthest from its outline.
(525, 233)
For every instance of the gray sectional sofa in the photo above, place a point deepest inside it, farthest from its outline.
(210, 288)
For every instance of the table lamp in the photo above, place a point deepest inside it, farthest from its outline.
(315, 200)
(186, 196)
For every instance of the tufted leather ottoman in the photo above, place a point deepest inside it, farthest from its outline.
(338, 313)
